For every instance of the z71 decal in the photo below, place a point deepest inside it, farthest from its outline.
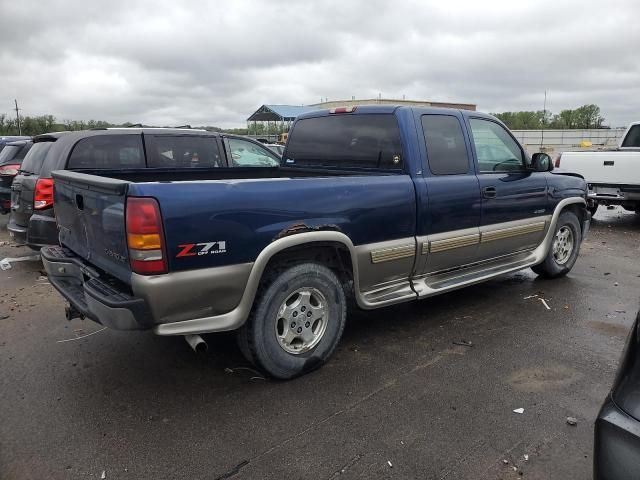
(207, 248)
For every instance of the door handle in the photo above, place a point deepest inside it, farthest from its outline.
(489, 192)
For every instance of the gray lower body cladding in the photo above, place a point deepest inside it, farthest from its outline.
(152, 300)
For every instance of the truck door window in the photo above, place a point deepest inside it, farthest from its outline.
(632, 140)
(496, 150)
(346, 141)
(446, 150)
(248, 154)
(186, 151)
(107, 152)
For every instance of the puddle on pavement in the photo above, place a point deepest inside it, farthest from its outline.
(541, 379)
(612, 329)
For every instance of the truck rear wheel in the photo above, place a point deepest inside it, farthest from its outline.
(564, 248)
(296, 322)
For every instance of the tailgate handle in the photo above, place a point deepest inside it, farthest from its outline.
(79, 201)
(608, 163)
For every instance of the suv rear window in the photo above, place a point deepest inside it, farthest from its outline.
(35, 158)
(187, 151)
(107, 152)
(346, 141)
(14, 152)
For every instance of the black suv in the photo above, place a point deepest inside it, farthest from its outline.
(133, 151)
(11, 158)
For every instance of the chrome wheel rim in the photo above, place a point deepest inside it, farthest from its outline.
(563, 245)
(301, 321)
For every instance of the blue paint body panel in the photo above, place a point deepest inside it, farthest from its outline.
(250, 214)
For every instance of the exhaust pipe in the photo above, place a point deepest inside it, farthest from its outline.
(196, 343)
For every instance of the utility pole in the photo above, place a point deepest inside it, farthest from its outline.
(544, 118)
(18, 117)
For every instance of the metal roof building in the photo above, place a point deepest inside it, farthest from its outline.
(279, 113)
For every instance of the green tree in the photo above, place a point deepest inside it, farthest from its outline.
(584, 117)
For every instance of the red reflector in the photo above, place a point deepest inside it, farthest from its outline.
(558, 160)
(350, 109)
(143, 218)
(43, 194)
(9, 170)
(151, 267)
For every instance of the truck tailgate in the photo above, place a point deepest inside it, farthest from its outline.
(90, 214)
(607, 167)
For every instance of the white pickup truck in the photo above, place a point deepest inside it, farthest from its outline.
(613, 176)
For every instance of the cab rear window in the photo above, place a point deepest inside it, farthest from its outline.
(107, 152)
(632, 140)
(346, 141)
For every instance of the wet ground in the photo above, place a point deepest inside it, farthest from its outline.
(403, 396)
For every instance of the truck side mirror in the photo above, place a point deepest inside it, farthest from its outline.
(541, 162)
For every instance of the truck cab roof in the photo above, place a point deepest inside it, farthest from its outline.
(390, 109)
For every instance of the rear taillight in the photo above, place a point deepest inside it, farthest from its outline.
(145, 237)
(9, 170)
(558, 160)
(43, 195)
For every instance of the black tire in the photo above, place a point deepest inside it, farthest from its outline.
(593, 209)
(258, 338)
(550, 267)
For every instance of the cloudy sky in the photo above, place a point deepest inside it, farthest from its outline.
(214, 63)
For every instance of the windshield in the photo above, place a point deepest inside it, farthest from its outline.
(33, 161)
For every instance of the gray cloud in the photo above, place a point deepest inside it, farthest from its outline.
(165, 62)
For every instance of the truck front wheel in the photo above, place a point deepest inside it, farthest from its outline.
(593, 209)
(564, 249)
(296, 322)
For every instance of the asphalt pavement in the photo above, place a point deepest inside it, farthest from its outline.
(405, 396)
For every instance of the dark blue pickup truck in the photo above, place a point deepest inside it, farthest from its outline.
(375, 204)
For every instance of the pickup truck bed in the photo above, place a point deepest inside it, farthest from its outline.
(382, 205)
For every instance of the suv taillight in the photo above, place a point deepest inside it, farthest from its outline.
(43, 195)
(145, 237)
(9, 170)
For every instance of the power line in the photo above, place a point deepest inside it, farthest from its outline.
(18, 117)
